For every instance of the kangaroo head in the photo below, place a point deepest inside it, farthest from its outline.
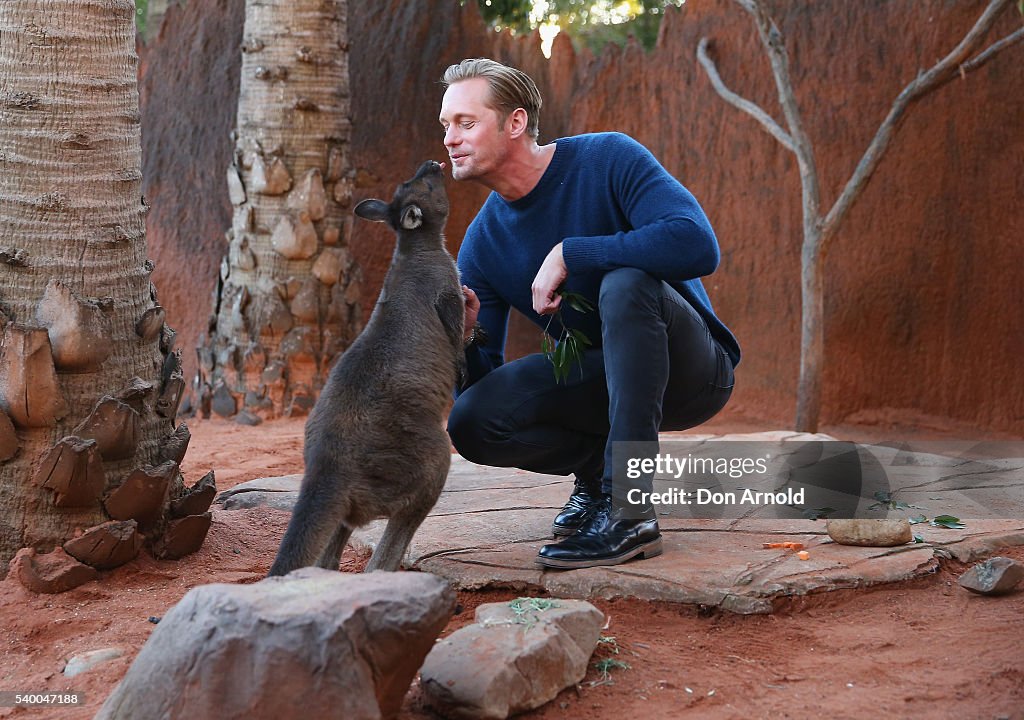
(419, 204)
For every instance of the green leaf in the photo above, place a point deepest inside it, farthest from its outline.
(581, 338)
(815, 513)
(948, 521)
(918, 539)
(882, 496)
(917, 519)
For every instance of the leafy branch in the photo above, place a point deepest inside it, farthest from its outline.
(571, 343)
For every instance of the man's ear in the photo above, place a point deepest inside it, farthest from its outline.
(517, 122)
(372, 209)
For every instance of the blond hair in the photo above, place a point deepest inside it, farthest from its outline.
(511, 89)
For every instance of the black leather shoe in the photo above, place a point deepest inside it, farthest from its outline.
(585, 497)
(604, 538)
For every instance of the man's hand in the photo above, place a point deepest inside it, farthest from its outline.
(472, 310)
(551, 275)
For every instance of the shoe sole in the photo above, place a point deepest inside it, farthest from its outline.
(646, 551)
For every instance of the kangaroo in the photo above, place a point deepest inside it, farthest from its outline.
(375, 443)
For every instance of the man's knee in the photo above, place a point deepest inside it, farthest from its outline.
(465, 427)
(625, 291)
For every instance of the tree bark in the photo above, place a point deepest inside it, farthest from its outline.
(288, 301)
(81, 316)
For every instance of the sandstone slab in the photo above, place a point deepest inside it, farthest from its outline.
(314, 643)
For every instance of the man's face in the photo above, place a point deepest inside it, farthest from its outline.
(476, 142)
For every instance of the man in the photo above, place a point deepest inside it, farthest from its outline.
(598, 216)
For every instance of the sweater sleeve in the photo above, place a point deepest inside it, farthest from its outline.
(493, 318)
(671, 237)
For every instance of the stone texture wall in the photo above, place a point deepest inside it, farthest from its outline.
(925, 304)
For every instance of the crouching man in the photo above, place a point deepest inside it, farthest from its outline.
(598, 216)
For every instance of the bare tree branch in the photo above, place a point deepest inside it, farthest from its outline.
(743, 104)
(943, 71)
(976, 62)
(771, 38)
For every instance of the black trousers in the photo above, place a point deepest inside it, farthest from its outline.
(658, 368)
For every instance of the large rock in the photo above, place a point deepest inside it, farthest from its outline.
(994, 576)
(315, 643)
(870, 532)
(516, 657)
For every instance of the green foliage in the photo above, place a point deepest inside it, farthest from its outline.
(948, 521)
(571, 344)
(141, 11)
(816, 513)
(593, 23)
(889, 500)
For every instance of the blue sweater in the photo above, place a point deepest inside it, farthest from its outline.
(611, 204)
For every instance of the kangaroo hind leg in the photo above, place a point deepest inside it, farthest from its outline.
(332, 553)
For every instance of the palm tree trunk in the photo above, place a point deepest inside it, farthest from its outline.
(287, 304)
(81, 316)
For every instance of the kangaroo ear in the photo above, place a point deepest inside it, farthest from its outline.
(412, 217)
(376, 210)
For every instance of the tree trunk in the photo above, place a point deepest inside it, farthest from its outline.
(812, 331)
(88, 381)
(288, 301)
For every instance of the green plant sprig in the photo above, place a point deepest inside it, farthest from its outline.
(571, 344)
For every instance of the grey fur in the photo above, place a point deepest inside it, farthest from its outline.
(376, 445)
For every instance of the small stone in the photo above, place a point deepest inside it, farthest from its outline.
(54, 572)
(108, 545)
(869, 532)
(994, 576)
(223, 402)
(516, 657)
(88, 660)
(247, 418)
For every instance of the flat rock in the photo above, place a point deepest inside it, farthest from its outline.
(343, 645)
(870, 532)
(54, 572)
(994, 576)
(516, 657)
(83, 662)
(489, 523)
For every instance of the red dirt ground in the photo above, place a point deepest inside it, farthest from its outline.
(923, 649)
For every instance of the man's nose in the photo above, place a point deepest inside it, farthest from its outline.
(451, 136)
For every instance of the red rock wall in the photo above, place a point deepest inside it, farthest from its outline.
(925, 307)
